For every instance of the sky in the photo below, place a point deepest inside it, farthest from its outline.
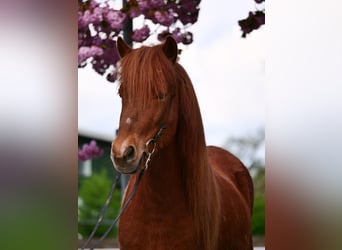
(227, 72)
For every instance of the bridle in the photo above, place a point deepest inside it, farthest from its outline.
(150, 147)
(153, 141)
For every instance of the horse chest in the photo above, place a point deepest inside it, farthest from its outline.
(163, 229)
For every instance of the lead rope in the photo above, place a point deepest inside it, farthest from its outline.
(104, 209)
(149, 151)
(121, 210)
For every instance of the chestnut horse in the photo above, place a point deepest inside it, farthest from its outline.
(191, 197)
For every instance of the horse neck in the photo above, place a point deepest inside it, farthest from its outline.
(164, 167)
(163, 177)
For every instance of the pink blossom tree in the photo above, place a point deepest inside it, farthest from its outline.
(99, 24)
(254, 20)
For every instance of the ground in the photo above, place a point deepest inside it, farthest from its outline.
(113, 242)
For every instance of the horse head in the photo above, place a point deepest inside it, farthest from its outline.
(148, 90)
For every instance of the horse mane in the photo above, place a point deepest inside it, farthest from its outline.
(147, 71)
(200, 182)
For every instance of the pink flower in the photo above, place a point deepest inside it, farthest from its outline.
(98, 12)
(142, 34)
(89, 151)
(165, 18)
(82, 156)
(177, 35)
(88, 17)
(187, 38)
(143, 4)
(134, 12)
(116, 19)
(85, 52)
(156, 3)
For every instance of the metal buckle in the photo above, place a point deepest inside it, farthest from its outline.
(148, 148)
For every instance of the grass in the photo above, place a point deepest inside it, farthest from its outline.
(93, 192)
(258, 219)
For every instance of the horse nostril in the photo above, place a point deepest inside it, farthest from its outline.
(129, 154)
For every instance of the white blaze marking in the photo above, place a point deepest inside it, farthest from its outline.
(128, 120)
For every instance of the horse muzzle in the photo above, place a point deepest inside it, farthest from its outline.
(127, 156)
(126, 159)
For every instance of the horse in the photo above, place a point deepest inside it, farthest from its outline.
(192, 197)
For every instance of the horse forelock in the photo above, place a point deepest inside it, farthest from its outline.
(145, 73)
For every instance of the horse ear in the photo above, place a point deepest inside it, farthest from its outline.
(170, 48)
(122, 47)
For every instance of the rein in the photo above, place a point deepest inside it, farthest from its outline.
(150, 147)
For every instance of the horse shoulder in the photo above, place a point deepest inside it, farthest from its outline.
(228, 167)
(236, 190)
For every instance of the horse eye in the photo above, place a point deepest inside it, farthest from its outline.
(161, 96)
